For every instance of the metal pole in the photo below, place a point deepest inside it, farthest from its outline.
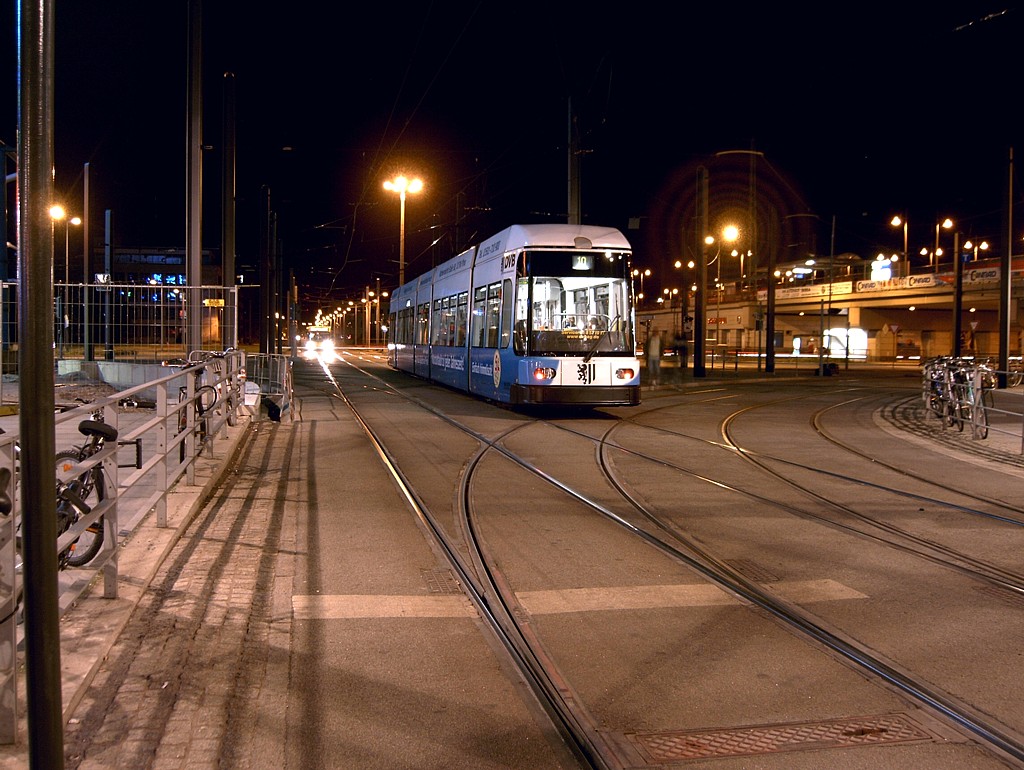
(700, 320)
(769, 335)
(958, 295)
(401, 238)
(229, 332)
(194, 180)
(86, 283)
(35, 366)
(1005, 264)
(906, 255)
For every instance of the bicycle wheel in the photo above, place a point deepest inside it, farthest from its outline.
(232, 409)
(955, 413)
(987, 402)
(948, 412)
(89, 487)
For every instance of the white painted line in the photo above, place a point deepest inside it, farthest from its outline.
(341, 606)
(662, 596)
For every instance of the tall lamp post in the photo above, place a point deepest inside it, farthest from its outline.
(730, 233)
(59, 214)
(402, 185)
(641, 274)
(946, 224)
(896, 222)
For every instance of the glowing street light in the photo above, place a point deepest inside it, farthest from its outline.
(730, 233)
(945, 224)
(971, 246)
(402, 185)
(59, 214)
(896, 222)
(641, 274)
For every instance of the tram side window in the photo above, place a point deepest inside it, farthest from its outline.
(493, 314)
(506, 312)
(403, 333)
(437, 328)
(448, 323)
(423, 324)
(522, 316)
(461, 318)
(476, 331)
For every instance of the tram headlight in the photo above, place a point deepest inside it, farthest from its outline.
(624, 374)
(544, 373)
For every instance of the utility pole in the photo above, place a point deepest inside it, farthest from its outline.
(700, 319)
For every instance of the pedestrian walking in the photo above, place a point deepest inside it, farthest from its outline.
(654, 358)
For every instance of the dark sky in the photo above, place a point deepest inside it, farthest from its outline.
(859, 111)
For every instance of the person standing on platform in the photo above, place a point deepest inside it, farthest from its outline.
(654, 358)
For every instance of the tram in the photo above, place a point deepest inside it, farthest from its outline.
(537, 314)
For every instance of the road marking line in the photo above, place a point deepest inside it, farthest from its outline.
(661, 596)
(341, 606)
(349, 606)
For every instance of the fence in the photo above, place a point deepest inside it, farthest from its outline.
(156, 447)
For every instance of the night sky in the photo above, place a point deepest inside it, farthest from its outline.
(858, 111)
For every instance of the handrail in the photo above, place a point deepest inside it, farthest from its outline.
(155, 468)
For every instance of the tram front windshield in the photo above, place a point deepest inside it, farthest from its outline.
(574, 303)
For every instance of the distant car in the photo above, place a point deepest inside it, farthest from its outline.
(319, 342)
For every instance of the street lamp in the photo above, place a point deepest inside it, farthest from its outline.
(896, 222)
(971, 246)
(402, 185)
(59, 214)
(641, 274)
(946, 224)
(730, 233)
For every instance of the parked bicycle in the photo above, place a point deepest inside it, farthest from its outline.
(80, 492)
(217, 370)
(936, 385)
(1016, 374)
(212, 391)
(971, 397)
(205, 402)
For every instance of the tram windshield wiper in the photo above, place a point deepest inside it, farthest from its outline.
(597, 342)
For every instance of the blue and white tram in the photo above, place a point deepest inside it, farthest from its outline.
(537, 314)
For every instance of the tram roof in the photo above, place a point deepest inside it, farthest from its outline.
(558, 235)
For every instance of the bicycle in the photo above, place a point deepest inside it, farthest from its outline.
(935, 386)
(216, 364)
(205, 399)
(1015, 376)
(211, 390)
(80, 493)
(972, 398)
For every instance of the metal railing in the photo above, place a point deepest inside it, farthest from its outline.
(156, 447)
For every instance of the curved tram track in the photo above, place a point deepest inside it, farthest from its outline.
(660, 592)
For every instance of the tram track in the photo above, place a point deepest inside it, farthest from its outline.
(489, 585)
